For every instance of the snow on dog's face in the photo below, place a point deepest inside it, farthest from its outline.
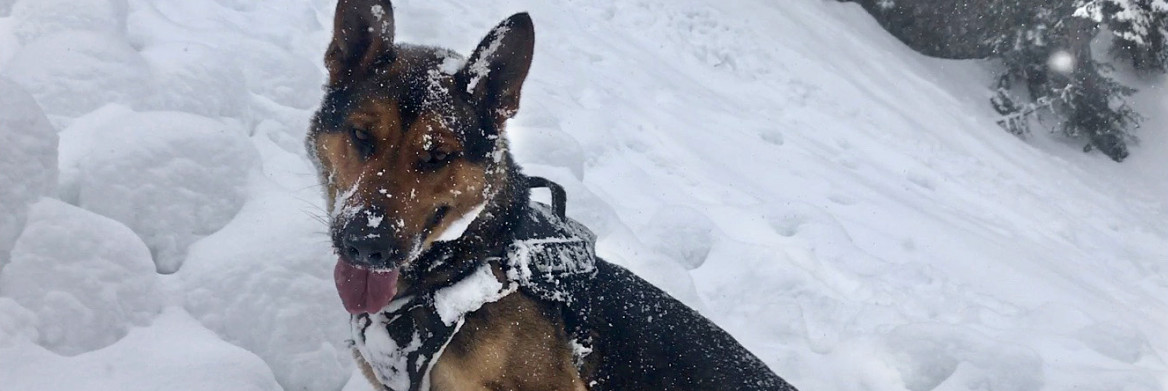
(408, 140)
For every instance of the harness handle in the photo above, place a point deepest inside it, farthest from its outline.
(559, 196)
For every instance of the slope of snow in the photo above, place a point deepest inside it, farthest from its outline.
(845, 207)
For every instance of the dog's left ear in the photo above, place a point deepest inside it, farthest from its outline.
(494, 74)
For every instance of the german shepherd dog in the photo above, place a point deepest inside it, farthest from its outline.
(410, 146)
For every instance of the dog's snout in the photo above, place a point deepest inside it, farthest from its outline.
(368, 247)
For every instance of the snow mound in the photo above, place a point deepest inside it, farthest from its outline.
(175, 353)
(171, 177)
(86, 277)
(74, 72)
(275, 73)
(264, 282)
(38, 18)
(185, 70)
(541, 141)
(17, 324)
(943, 357)
(28, 160)
(9, 44)
(682, 233)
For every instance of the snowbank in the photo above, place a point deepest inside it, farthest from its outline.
(73, 72)
(86, 278)
(18, 325)
(172, 177)
(39, 18)
(264, 282)
(185, 70)
(28, 160)
(173, 353)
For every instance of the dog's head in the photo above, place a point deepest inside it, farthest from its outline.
(408, 140)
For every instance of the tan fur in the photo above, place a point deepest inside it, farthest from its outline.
(511, 344)
(516, 343)
(366, 369)
(390, 178)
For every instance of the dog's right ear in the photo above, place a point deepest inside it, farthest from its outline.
(494, 73)
(362, 39)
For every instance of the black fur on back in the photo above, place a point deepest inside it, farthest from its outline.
(645, 339)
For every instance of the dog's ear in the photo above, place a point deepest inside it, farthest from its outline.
(494, 74)
(362, 38)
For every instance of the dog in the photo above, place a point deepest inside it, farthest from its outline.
(454, 279)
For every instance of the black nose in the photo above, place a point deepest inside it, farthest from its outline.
(365, 246)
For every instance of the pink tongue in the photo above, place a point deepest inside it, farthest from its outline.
(363, 290)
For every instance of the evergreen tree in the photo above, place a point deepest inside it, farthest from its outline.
(1049, 74)
(1048, 58)
(1138, 27)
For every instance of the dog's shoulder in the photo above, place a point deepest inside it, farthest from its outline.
(646, 339)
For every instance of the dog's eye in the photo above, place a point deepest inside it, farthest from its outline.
(434, 158)
(362, 141)
(360, 134)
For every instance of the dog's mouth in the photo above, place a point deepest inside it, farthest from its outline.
(365, 290)
(368, 290)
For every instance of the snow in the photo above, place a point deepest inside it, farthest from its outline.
(18, 325)
(846, 208)
(459, 225)
(28, 160)
(682, 233)
(264, 283)
(183, 70)
(86, 278)
(9, 44)
(171, 177)
(73, 72)
(469, 294)
(39, 18)
(173, 353)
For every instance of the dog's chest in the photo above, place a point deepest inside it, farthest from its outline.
(552, 260)
(404, 341)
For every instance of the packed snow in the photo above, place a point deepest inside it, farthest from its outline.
(845, 207)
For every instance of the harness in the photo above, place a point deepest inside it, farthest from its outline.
(552, 257)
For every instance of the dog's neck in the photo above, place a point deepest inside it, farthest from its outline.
(444, 263)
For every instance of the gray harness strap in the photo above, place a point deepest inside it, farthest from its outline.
(552, 258)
